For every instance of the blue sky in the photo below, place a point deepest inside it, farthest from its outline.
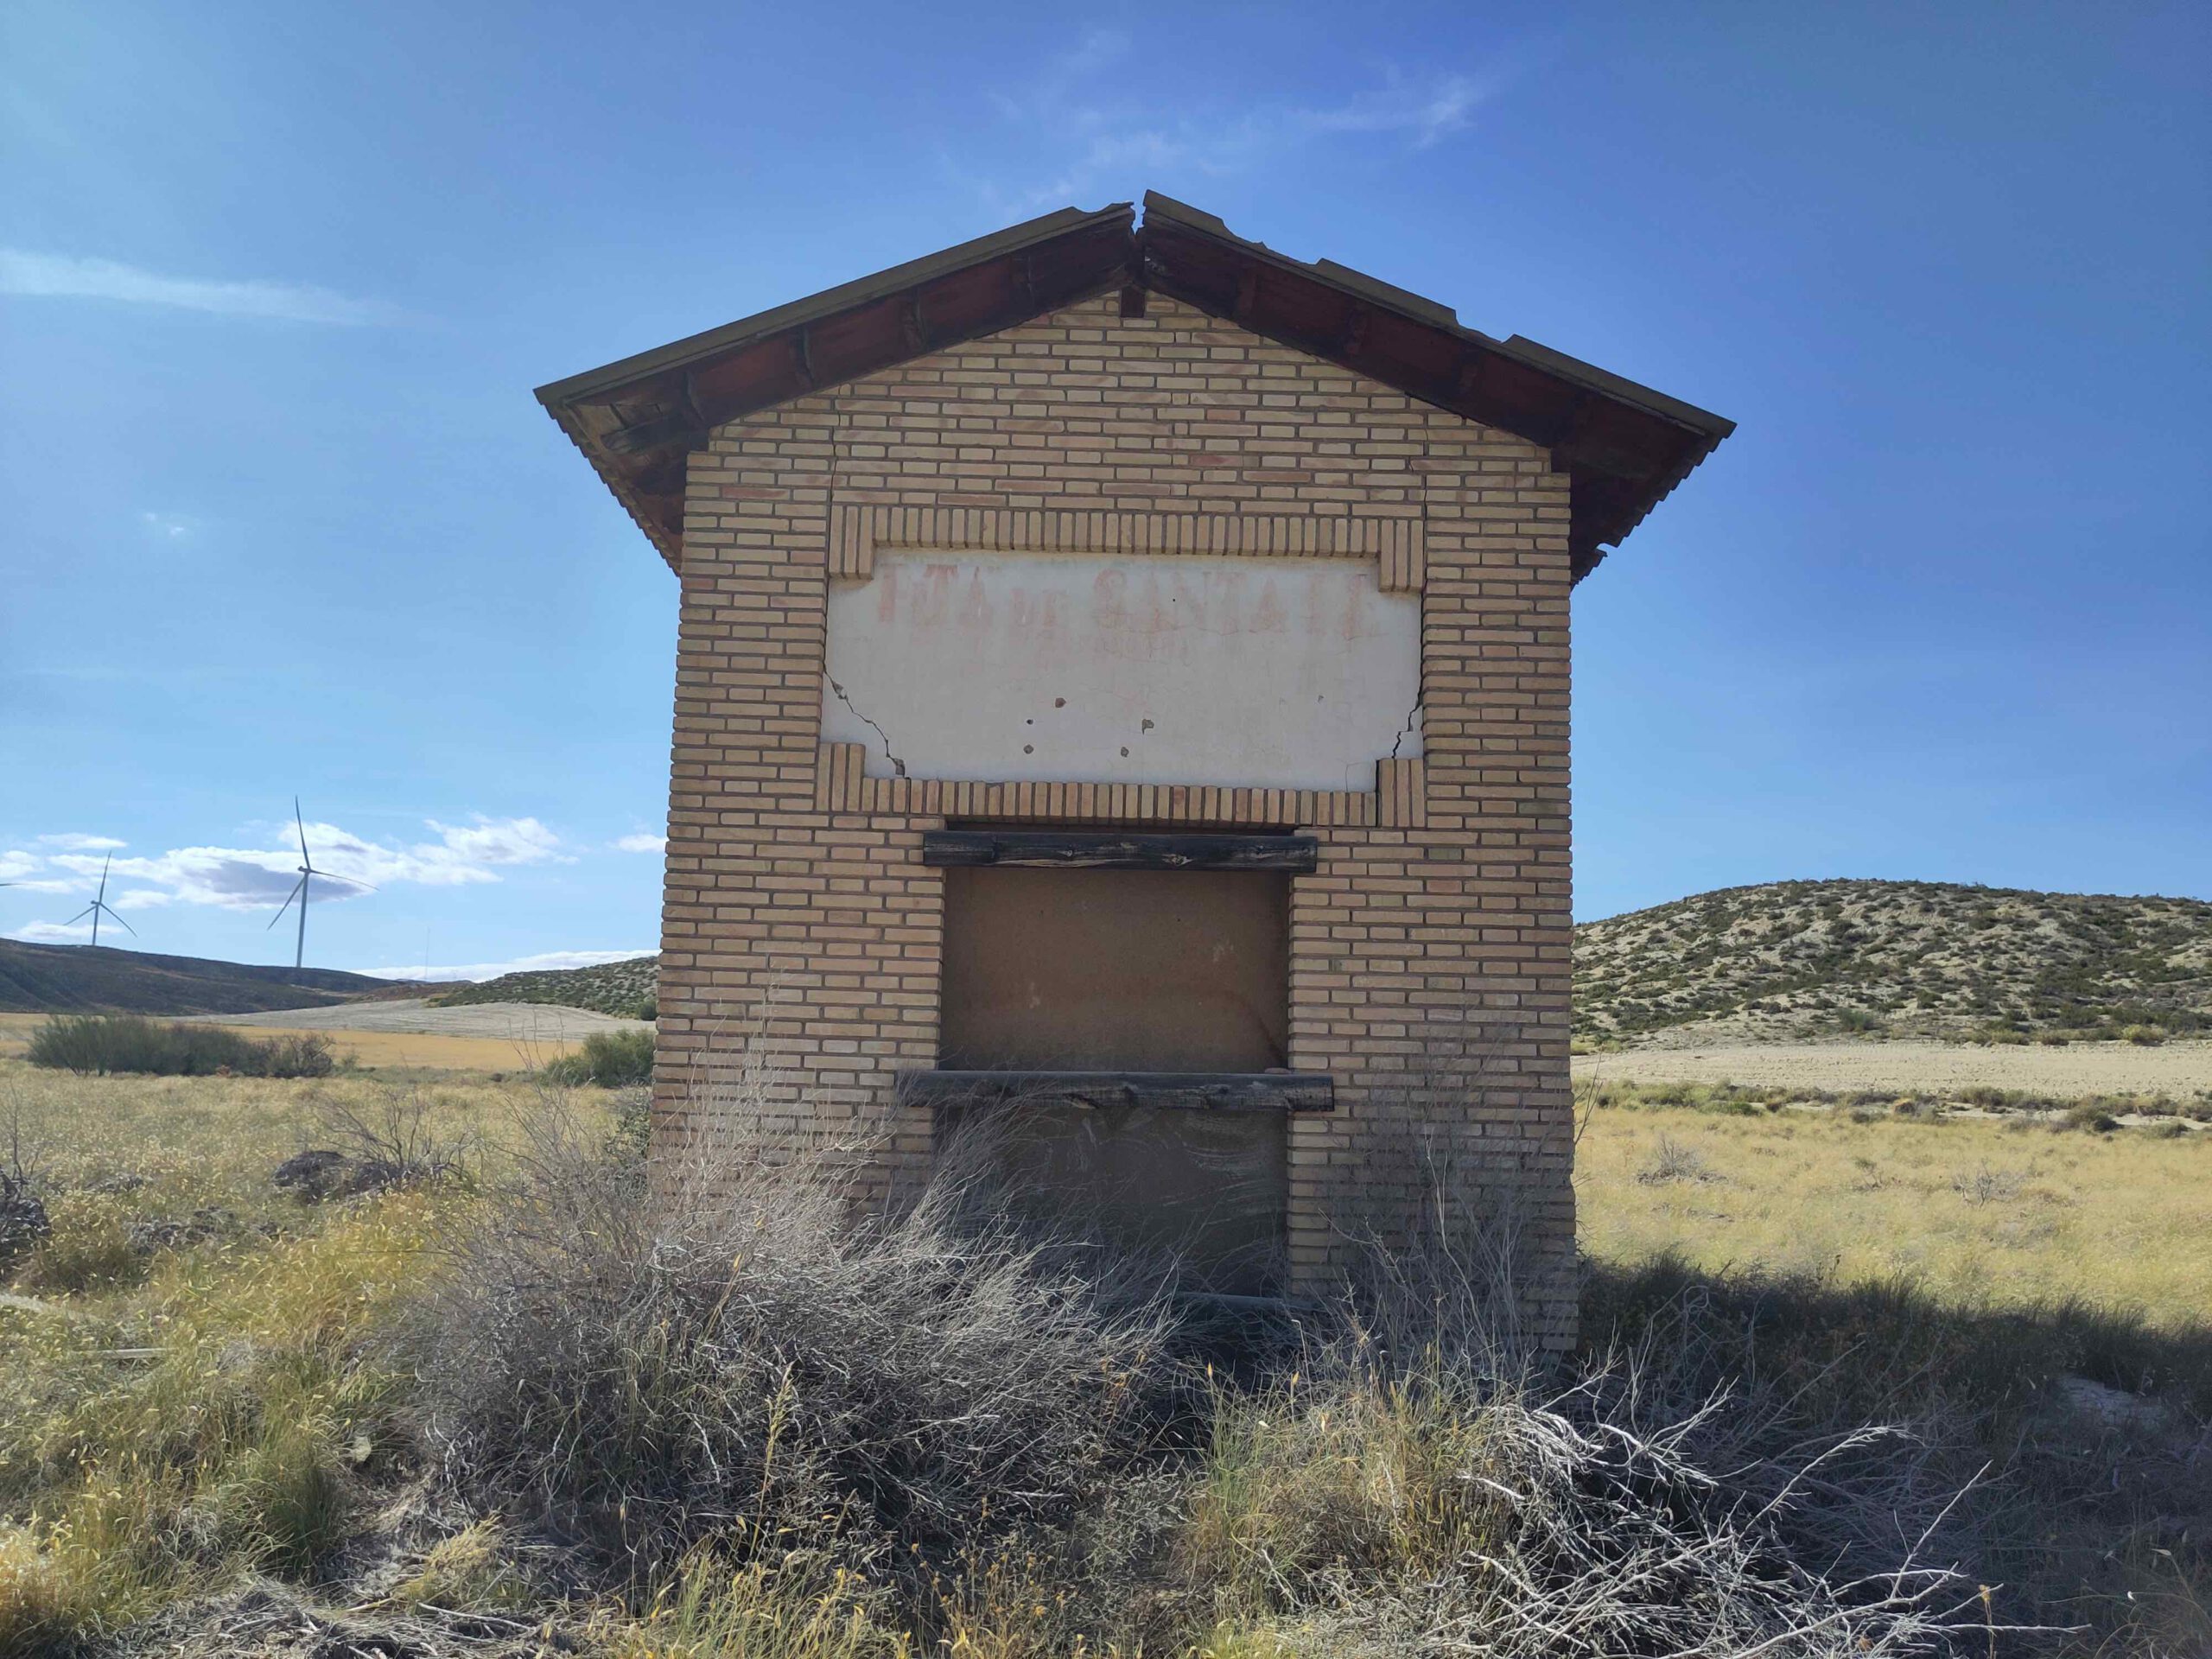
(278, 514)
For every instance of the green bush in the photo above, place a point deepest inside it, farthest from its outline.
(96, 1044)
(613, 1059)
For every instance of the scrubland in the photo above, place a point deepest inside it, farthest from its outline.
(1791, 960)
(1843, 1370)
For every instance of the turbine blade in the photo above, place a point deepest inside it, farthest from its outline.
(118, 921)
(81, 915)
(287, 905)
(301, 822)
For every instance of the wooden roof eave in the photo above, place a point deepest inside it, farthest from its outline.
(1625, 446)
(637, 420)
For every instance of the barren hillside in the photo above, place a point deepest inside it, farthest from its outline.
(83, 979)
(1795, 959)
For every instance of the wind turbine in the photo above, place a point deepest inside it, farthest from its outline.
(100, 908)
(308, 872)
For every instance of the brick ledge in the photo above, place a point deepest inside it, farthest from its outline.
(842, 784)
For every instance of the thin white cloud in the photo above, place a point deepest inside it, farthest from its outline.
(1100, 48)
(75, 843)
(28, 871)
(54, 933)
(1427, 110)
(55, 276)
(464, 851)
(1115, 143)
(237, 877)
(540, 963)
(641, 844)
(166, 526)
(1131, 154)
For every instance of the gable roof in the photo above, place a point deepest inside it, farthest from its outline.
(1625, 446)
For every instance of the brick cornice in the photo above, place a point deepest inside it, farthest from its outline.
(856, 530)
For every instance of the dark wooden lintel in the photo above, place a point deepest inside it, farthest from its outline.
(1203, 1091)
(1109, 850)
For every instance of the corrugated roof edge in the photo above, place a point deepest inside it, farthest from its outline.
(1629, 391)
(1436, 314)
(859, 291)
(672, 553)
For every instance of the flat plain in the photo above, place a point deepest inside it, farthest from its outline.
(492, 1045)
(1980, 1214)
(2070, 1071)
(523, 1022)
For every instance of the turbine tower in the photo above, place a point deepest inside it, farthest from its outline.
(100, 907)
(308, 872)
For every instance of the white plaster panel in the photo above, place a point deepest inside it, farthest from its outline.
(1258, 672)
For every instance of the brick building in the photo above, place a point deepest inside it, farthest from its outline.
(1122, 688)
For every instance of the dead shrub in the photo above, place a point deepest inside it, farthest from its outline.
(1674, 1160)
(1986, 1183)
(1454, 1494)
(395, 1143)
(24, 1220)
(742, 1354)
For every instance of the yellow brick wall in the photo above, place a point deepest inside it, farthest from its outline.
(1430, 952)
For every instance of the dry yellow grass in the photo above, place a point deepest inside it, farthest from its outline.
(408, 1051)
(198, 1151)
(2180, 1070)
(213, 1407)
(183, 1401)
(1978, 1212)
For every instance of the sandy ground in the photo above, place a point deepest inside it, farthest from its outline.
(528, 1022)
(2178, 1069)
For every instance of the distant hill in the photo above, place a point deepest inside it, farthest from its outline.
(1795, 959)
(626, 988)
(82, 979)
